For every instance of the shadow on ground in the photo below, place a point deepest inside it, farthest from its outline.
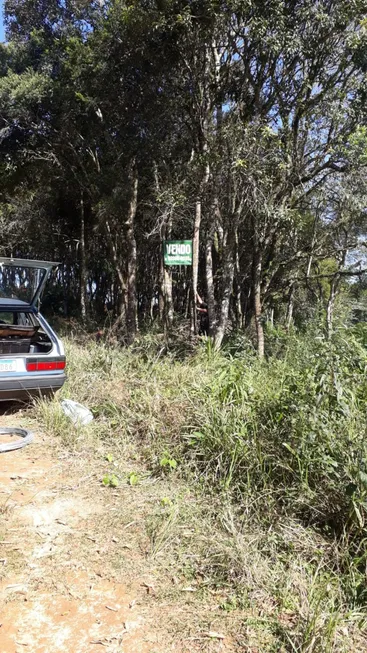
(12, 407)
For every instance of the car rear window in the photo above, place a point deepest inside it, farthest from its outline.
(19, 282)
(8, 317)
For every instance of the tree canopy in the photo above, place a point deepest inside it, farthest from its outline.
(239, 124)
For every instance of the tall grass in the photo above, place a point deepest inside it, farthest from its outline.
(282, 446)
(295, 426)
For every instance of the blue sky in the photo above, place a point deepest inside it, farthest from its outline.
(2, 36)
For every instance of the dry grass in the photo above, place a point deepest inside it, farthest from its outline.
(213, 564)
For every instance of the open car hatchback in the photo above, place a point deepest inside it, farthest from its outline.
(32, 359)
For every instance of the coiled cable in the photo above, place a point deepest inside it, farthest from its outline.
(26, 437)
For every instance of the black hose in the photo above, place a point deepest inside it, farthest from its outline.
(26, 438)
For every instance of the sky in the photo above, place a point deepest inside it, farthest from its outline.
(2, 36)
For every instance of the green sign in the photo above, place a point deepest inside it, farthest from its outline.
(177, 252)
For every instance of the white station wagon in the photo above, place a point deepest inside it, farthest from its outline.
(32, 358)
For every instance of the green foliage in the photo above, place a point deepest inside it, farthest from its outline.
(168, 463)
(110, 480)
(295, 427)
(22, 93)
(133, 478)
(358, 143)
(360, 333)
(90, 91)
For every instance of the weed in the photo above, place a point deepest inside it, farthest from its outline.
(110, 480)
(133, 478)
(273, 461)
(168, 463)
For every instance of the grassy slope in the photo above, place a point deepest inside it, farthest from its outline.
(259, 492)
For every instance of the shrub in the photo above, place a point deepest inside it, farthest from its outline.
(295, 426)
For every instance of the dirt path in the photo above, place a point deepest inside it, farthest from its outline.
(73, 572)
(52, 597)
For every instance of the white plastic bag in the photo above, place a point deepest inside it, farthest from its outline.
(76, 412)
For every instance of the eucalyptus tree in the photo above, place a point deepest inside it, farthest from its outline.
(229, 121)
(294, 77)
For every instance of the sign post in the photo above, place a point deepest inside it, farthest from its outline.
(177, 252)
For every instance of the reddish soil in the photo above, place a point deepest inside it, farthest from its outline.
(69, 582)
(51, 602)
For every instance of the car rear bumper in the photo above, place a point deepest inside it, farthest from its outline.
(23, 388)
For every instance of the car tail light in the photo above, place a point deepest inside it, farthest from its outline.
(45, 364)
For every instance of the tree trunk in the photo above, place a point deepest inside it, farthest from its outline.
(66, 284)
(212, 312)
(334, 286)
(161, 284)
(247, 307)
(227, 284)
(119, 271)
(187, 302)
(271, 317)
(258, 305)
(161, 280)
(238, 289)
(131, 313)
(168, 300)
(330, 305)
(166, 281)
(290, 307)
(195, 263)
(82, 257)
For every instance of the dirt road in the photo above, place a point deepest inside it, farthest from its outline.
(76, 575)
(53, 596)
